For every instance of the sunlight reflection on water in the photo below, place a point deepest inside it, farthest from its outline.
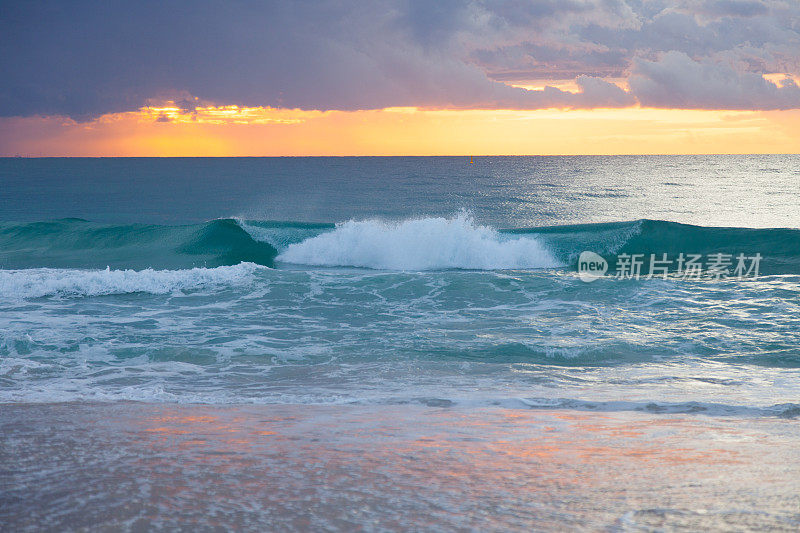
(402, 467)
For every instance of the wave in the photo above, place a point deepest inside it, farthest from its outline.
(65, 390)
(457, 242)
(420, 244)
(76, 243)
(779, 247)
(414, 244)
(41, 282)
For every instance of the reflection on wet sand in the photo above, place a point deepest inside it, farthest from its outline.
(396, 467)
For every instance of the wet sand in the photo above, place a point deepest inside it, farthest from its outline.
(134, 466)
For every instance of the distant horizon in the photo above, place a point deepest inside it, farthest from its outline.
(386, 156)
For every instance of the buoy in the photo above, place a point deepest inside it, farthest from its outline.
(471, 162)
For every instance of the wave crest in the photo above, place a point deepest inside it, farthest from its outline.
(420, 244)
(40, 282)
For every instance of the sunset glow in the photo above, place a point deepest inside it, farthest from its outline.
(468, 78)
(169, 130)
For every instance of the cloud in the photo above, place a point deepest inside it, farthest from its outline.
(677, 81)
(86, 58)
(733, 8)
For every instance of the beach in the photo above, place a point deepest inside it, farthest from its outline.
(139, 467)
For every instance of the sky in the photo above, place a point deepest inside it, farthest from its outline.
(408, 77)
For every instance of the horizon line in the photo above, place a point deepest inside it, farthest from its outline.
(16, 156)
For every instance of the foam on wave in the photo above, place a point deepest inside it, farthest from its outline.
(40, 282)
(420, 244)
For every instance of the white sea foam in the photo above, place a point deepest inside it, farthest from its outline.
(39, 282)
(419, 244)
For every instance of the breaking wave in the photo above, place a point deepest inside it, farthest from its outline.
(415, 244)
(40, 282)
(420, 244)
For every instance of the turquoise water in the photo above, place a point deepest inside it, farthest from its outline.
(391, 280)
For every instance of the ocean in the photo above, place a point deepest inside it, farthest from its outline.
(386, 343)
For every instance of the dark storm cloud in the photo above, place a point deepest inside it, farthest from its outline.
(86, 58)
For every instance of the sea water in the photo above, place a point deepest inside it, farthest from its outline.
(434, 292)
